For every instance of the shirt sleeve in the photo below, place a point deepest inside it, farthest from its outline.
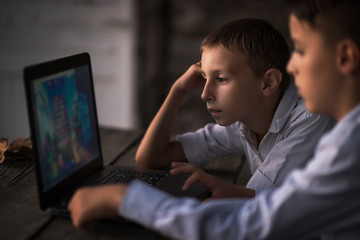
(326, 189)
(212, 141)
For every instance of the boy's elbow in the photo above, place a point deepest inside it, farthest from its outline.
(139, 159)
(142, 161)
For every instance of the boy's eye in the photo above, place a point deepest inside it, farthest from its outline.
(221, 79)
(299, 51)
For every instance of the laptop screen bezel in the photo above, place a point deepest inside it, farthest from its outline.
(35, 72)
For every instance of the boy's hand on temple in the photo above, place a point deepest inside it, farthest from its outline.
(93, 203)
(191, 79)
(218, 187)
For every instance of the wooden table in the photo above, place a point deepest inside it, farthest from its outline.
(21, 217)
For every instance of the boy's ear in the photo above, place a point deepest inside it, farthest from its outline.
(348, 56)
(271, 81)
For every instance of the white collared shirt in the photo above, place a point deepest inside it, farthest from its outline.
(288, 144)
(323, 199)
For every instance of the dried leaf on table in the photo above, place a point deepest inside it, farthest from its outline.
(19, 143)
(3, 148)
(19, 148)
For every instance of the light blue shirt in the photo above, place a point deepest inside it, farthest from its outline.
(289, 143)
(321, 199)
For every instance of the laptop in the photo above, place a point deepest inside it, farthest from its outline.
(65, 136)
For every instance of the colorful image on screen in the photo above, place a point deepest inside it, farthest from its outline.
(65, 125)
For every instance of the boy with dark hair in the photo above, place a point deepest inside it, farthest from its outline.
(320, 200)
(258, 112)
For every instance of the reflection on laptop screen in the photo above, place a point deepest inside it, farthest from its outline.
(66, 133)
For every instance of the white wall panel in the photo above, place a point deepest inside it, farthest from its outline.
(36, 31)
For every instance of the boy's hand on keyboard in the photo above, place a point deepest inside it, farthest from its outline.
(218, 188)
(94, 203)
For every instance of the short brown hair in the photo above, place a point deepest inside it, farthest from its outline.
(264, 46)
(335, 19)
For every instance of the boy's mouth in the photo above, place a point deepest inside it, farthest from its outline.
(214, 112)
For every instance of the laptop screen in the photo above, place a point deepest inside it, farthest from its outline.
(64, 124)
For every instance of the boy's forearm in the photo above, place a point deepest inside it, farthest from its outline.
(155, 150)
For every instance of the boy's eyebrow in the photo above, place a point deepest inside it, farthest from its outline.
(216, 72)
(294, 40)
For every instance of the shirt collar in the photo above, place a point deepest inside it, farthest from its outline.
(352, 117)
(287, 103)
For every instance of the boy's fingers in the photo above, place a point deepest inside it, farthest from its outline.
(204, 180)
(76, 210)
(190, 181)
(179, 170)
(78, 221)
(178, 164)
(197, 175)
(179, 167)
(79, 207)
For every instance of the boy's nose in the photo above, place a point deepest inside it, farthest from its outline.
(206, 94)
(290, 68)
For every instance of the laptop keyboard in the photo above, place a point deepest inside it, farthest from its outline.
(122, 176)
